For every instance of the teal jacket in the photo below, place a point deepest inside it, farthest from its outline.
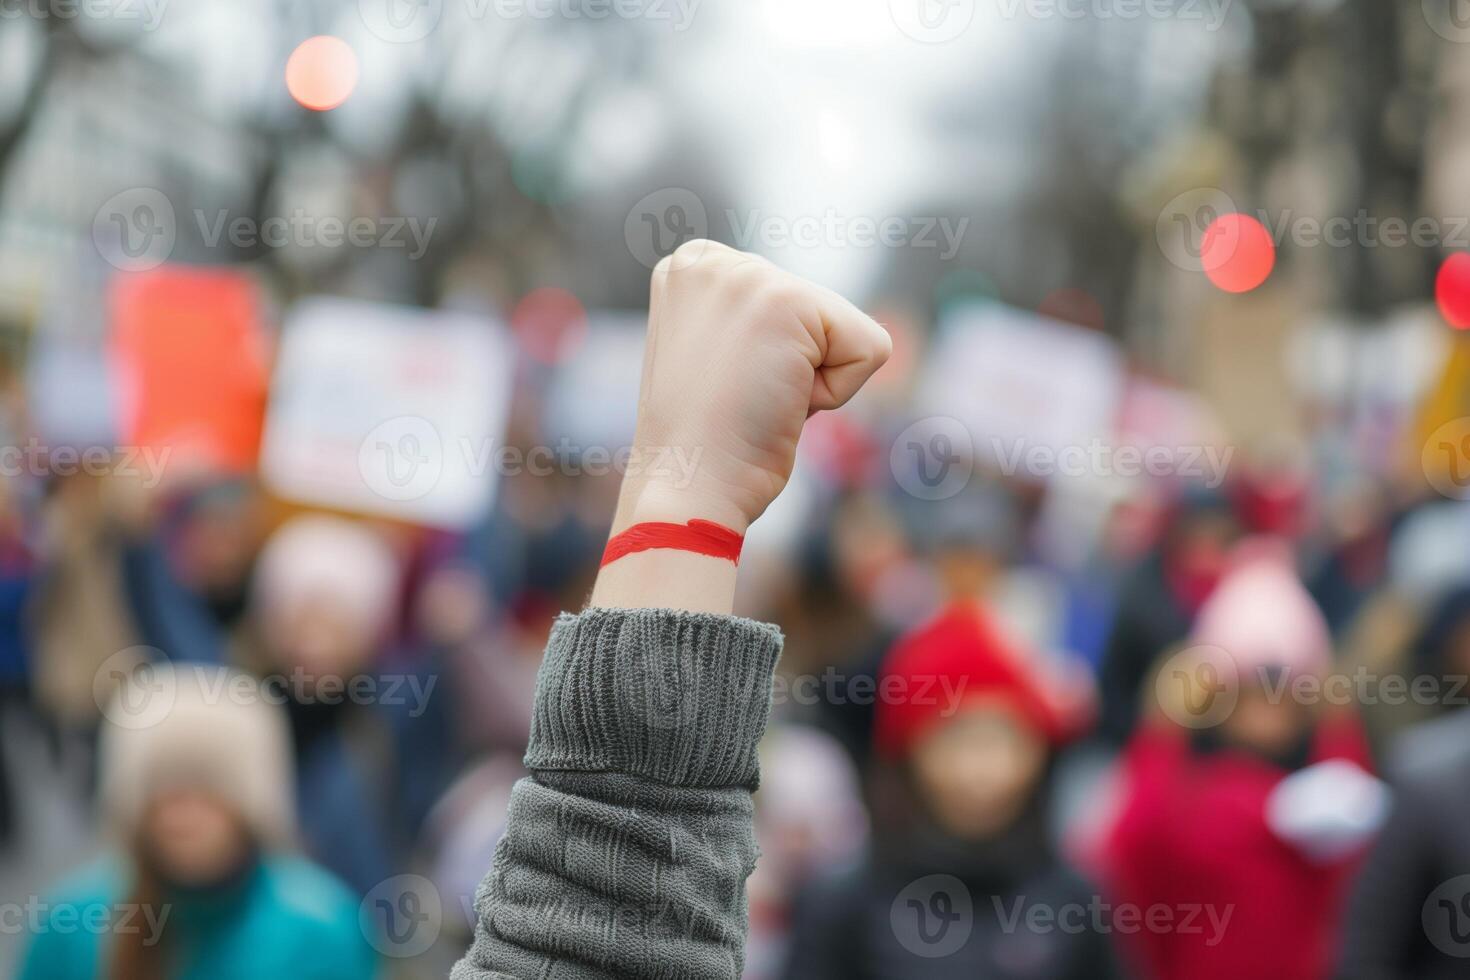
(287, 919)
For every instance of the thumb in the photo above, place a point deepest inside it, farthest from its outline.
(857, 346)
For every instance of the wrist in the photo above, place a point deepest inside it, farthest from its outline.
(667, 578)
(654, 501)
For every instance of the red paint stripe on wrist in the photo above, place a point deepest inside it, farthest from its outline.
(700, 537)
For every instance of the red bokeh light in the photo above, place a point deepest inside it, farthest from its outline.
(1237, 253)
(1452, 290)
(322, 72)
(550, 324)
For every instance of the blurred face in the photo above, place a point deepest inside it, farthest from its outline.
(193, 839)
(977, 770)
(321, 637)
(1457, 650)
(1203, 544)
(1271, 728)
(216, 547)
(966, 573)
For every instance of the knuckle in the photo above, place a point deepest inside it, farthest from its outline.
(882, 344)
(690, 253)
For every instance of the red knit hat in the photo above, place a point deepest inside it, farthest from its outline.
(961, 658)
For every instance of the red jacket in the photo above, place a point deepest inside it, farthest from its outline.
(1192, 837)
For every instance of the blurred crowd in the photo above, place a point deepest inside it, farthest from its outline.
(1224, 739)
(1126, 611)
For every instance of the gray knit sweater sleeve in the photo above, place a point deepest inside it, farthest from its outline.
(628, 846)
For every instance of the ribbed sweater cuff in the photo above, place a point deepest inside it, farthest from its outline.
(677, 697)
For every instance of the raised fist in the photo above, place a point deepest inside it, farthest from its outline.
(739, 354)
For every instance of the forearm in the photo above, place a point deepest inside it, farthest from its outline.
(627, 849)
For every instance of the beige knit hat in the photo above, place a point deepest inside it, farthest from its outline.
(197, 726)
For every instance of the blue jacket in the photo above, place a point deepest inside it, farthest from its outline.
(287, 919)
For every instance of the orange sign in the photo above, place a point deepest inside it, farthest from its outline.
(191, 363)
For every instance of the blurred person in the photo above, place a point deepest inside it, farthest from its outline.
(1273, 494)
(628, 846)
(1409, 913)
(1160, 600)
(487, 656)
(970, 735)
(78, 608)
(371, 749)
(1359, 526)
(1404, 627)
(1255, 814)
(971, 539)
(809, 819)
(201, 880)
(855, 560)
(188, 566)
(1435, 663)
(17, 573)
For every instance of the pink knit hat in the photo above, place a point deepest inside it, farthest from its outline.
(1262, 615)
